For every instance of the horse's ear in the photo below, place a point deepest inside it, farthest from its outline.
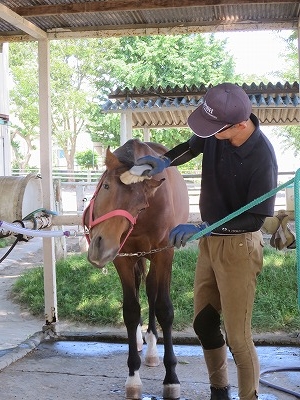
(111, 161)
(152, 185)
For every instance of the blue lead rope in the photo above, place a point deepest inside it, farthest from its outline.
(297, 222)
(253, 203)
(240, 210)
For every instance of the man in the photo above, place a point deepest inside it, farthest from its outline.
(239, 165)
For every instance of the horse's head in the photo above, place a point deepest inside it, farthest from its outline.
(114, 209)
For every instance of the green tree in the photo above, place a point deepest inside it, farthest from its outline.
(290, 135)
(166, 61)
(85, 71)
(73, 67)
(24, 100)
(171, 60)
(104, 128)
(73, 63)
(87, 159)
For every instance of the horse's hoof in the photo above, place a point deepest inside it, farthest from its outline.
(133, 387)
(133, 393)
(152, 361)
(151, 356)
(171, 391)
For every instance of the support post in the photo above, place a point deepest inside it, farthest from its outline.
(126, 127)
(147, 136)
(46, 172)
(5, 150)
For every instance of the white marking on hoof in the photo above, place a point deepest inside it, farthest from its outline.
(151, 356)
(139, 338)
(171, 391)
(133, 387)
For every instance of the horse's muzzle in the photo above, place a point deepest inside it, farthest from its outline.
(101, 253)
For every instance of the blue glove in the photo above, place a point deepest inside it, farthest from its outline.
(158, 164)
(183, 232)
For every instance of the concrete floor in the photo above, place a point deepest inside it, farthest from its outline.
(72, 370)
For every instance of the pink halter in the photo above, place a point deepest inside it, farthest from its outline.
(119, 212)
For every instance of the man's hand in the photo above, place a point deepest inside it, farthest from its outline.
(183, 232)
(158, 164)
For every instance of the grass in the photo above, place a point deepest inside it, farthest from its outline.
(87, 295)
(6, 241)
(276, 305)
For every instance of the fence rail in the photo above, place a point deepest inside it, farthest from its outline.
(89, 176)
(77, 188)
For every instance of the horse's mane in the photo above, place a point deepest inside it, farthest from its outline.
(127, 153)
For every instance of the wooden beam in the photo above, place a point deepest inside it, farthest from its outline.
(173, 28)
(16, 20)
(129, 5)
(150, 30)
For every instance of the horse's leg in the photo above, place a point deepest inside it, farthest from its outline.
(165, 315)
(140, 270)
(139, 337)
(151, 356)
(131, 315)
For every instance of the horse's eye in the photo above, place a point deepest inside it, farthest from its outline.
(106, 186)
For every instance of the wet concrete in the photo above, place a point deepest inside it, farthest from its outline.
(72, 370)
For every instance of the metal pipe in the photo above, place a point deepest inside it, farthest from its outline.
(70, 219)
(16, 228)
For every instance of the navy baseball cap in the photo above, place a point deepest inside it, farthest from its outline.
(223, 105)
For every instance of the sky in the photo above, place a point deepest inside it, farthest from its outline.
(258, 53)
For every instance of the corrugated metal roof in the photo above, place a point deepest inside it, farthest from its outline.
(66, 18)
(170, 107)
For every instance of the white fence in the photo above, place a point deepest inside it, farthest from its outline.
(76, 194)
(78, 187)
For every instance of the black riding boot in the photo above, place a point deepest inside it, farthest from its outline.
(220, 393)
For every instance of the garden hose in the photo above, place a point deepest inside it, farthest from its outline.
(277, 387)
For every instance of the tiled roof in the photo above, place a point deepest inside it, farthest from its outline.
(170, 107)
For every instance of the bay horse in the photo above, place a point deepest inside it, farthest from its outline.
(137, 218)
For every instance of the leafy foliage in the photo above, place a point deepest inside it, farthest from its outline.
(86, 159)
(104, 128)
(72, 73)
(166, 61)
(24, 98)
(172, 60)
(85, 71)
(290, 135)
